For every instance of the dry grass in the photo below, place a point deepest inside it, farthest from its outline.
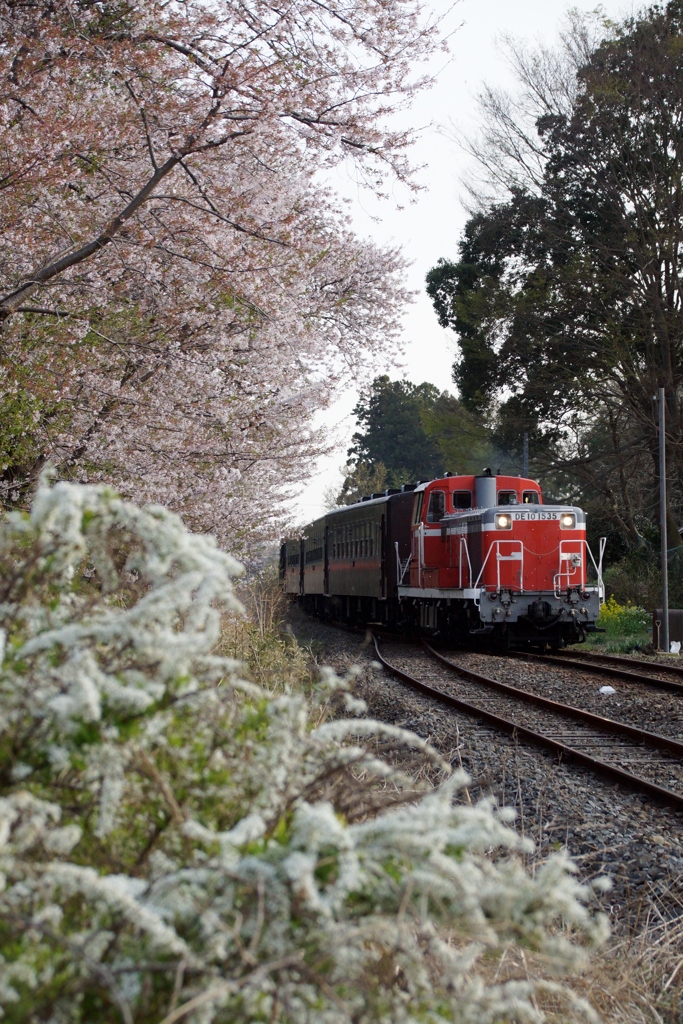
(272, 656)
(639, 976)
(636, 980)
(633, 979)
(623, 983)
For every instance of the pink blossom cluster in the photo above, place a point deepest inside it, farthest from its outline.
(179, 290)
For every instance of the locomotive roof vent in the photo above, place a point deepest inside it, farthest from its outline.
(391, 490)
(366, 497)
(409, 487)
(378, 494)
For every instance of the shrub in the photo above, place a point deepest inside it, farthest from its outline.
(271, 656)
(637, 579)
(178, 844)
(621, 620)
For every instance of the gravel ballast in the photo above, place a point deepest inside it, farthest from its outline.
(606, 828)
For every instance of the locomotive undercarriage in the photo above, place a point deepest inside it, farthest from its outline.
(499, 619)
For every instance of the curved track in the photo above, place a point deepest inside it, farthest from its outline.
(605, 746)
(611, 665)
(615, 659)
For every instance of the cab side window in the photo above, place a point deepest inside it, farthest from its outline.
(437, 507)
(531, 498)
(462, 499)
(417, 506)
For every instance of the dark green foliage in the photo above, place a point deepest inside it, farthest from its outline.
(479, 292)
(410, 432)
(567, 298)
(637, 578)
(360, 480)
(391, 431)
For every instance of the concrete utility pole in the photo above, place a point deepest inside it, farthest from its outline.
(525, 471)
(664, 634)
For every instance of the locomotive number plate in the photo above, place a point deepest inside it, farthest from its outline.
(535, 515)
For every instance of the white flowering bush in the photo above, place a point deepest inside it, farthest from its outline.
(177, 844)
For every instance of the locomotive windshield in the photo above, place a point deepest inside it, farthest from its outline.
(437, 507)
(462, 499)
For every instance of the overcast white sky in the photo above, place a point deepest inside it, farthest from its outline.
(429, 228)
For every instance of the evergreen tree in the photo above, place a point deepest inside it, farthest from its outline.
(567, 295)
(391, 431)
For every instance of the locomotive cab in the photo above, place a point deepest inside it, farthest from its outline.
(458, 556)
(515, 566)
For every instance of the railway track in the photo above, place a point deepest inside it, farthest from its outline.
(607, 747)
(615, 659)
(632, 669)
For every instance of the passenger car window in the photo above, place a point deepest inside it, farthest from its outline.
(462, 499)
(530, 498)
(437, 507)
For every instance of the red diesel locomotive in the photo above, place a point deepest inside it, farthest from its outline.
(461, 556)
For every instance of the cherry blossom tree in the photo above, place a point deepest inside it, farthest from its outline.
(179, 291)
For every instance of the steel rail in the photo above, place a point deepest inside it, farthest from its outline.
(594, 764)
(568, 710)
(604, 668)
(616, 659)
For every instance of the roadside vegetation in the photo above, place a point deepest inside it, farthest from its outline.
(255, 636)
(564, 331)
(181, 290)
(627, 627)
(178, 842)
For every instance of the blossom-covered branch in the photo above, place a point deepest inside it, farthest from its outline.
(171, 843)
(163, 188)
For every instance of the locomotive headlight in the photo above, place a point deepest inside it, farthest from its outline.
(567, 521)
(503, 522)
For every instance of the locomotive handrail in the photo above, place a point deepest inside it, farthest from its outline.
(481, 571)
(401, 567)
(577, 567)
(515, 556)
(463, 543)
(598, 567)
